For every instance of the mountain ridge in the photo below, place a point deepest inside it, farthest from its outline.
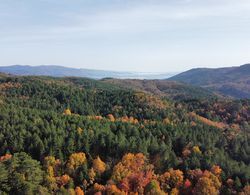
(229, 81)
(63, 71)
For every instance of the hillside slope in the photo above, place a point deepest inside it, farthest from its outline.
(164, 88)
(63, 135)
(233, 81)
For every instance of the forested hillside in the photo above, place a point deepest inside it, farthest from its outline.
(164, 88)
(232, 81)
(82, 136)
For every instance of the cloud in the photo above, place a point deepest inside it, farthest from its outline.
(131, 19)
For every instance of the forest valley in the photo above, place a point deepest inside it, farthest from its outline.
(82, 136)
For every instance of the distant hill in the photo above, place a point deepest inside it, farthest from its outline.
(61, 71)
(164, 88)
(232, 81)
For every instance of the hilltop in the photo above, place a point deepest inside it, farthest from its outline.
(232, 81)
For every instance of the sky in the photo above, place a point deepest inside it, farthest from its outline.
(125, 35)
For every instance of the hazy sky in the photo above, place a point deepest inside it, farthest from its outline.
(135, 35)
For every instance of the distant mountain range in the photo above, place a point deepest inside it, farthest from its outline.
(232, 81)
(61, 71)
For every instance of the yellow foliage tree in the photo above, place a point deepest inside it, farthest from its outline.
(171, 179)
(76, 160)
(52, 161)
(71, 191)
(79, 130)
(49, 161)
(166, 121)
(205, 186)
(92, 175)
(98, 165)
(51, 165)
(174, 191)
(208, 184)
(51, 179)
(196, 150)
(67, 111)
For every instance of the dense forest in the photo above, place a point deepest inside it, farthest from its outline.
(82, 136)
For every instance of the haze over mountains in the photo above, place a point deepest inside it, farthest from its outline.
(61, 71)
(229, 81)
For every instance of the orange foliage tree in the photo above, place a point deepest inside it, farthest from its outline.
(64, 179)
(216, 170)
(98, 165)
(5, 157)
(133, 173)
(111, 117)
(98, 188)
(79, 191)
(207, 184)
